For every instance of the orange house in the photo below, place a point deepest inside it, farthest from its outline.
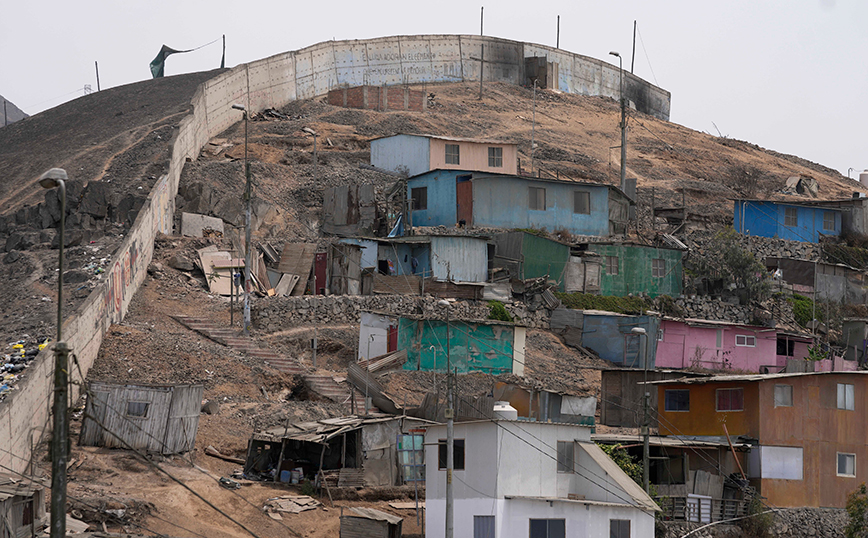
(808, 430)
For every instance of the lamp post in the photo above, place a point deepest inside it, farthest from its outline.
(450, 434)
(248, 191)
(623, 124)
(55, 178)
(646, 456)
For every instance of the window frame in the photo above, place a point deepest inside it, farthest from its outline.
(610, 264)
(533, 199)
(775, 395)
(658, 267)
(144, 414)
(666, 401)
(454, 155)
(619, 531)
(587, 202)
(838, 464)
(717, 394)
(495, 157)
(486, 518)
(424, 191)
(791, 214)
(747, 338)
(852, 402)
(457, 459)
(832, 215)
(548, 526)
(566, 456)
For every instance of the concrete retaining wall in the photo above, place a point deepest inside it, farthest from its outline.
(273, 82)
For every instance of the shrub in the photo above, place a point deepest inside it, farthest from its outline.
(857, 507)
(586, 301)
(497, 311)
(803, 310)
(761, 521)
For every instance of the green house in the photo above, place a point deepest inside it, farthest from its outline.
(525, 255)
(630, 268)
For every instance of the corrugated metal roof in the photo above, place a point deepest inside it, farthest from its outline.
(17, 486)
(451, 139)
(668, 442)
(748, 377)
(818, 204)
(376, 515)
(325, 429)
(627, 484)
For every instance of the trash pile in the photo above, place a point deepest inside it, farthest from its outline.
(12, 365)
(289, 504)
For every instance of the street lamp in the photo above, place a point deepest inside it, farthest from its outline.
(55, 178)
(247, 232)
(646, 456)
(623, 122)
(450, 433)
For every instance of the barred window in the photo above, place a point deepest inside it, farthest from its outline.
(452, 154)
(495, 157)
(536, 198)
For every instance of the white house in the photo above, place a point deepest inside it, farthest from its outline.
(519, 479)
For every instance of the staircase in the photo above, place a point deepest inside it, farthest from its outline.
(322, 384)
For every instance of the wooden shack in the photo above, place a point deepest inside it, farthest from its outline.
(370, 523)
(161, 419)
(22, 506)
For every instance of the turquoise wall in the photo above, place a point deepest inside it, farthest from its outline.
(634, 270)
(474, 347)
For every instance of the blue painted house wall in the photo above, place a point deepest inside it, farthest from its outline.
(503, 202)
(402, 152)
(473, 347)
(767, 219)
(401, 255)
(459, 259)
(610, 336)
(369, 250)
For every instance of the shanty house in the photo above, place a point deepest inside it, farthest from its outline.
(514, 479)
(610, 335)
(359, 522)
(632, 269)
(808, 430)
(351, 451)
(22, 506)
(458, 197)
(412, 154)
(489, 346)
(795, 221)
(830, 282)
(525, 255)
(162, 419)
(622, 391)
(546, 405)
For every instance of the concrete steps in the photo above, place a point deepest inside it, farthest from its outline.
(322, 384)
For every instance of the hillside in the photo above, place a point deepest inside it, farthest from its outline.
(12, 112)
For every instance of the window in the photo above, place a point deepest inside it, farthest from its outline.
(495, 157)
(658, 267)
(457, 455)
(452, 156)
(536, 198)
(611, 265)
(828, 221)
(744, 340)
(619, 528)
(730, 399)
(137, 409)
(781, 462)
(783, 395)
(582, 202)
(27, 513)
(483, 526)
(677, 400)
(548, 528)
(719, 338)
(846, 397)
(419, 195)
(791, 216)
(660, 335)
(785, 347)
(566, 456)
(846, 464)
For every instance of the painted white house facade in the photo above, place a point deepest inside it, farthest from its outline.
(519, 479)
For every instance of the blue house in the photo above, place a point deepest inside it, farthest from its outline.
(796, 221)
(610, 335)
(452, 197)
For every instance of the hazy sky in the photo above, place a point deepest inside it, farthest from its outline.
(788, 75)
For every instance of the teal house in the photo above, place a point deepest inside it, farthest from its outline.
(630, 268)
(525, 255)
(492, 347)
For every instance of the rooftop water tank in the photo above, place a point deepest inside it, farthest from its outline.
(505, 411)
(863, 178)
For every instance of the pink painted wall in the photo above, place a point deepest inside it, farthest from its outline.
(474, 156)
(678, 349)
(840, 365)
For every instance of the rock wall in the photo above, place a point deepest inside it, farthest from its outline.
(700, 243)
(281, 313)
(786, 523)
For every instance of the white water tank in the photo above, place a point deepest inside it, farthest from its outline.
(505, 411)
(863, 178)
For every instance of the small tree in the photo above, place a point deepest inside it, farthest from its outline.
(740, 268)
(857, 507)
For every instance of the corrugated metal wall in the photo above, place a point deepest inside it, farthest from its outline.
(474, 347)
(459, 259)
(635, 273)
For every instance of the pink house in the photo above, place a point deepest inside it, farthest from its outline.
(721, 345)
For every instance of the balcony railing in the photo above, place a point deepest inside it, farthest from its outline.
(701, 509)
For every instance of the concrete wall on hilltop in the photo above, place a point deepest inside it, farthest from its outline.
(274, 82)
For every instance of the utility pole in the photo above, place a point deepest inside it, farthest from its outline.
(248, 191)
(633, 57)
(481, 16)
(533, 127)
(481, 68)
(646, 455)
(558, 41)
(450, 434)
(623, 123)
(96, 66)
(5, 117)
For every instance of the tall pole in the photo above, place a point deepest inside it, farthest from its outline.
(60, 433)
(481, 16)
(633, 56)
(558, 41)
(481, 68)
(248, 191)
(646, 455)
(623, 124)
(450, 438)
(533, 127)
(5, 117)
(96, 66)
(314, 158)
